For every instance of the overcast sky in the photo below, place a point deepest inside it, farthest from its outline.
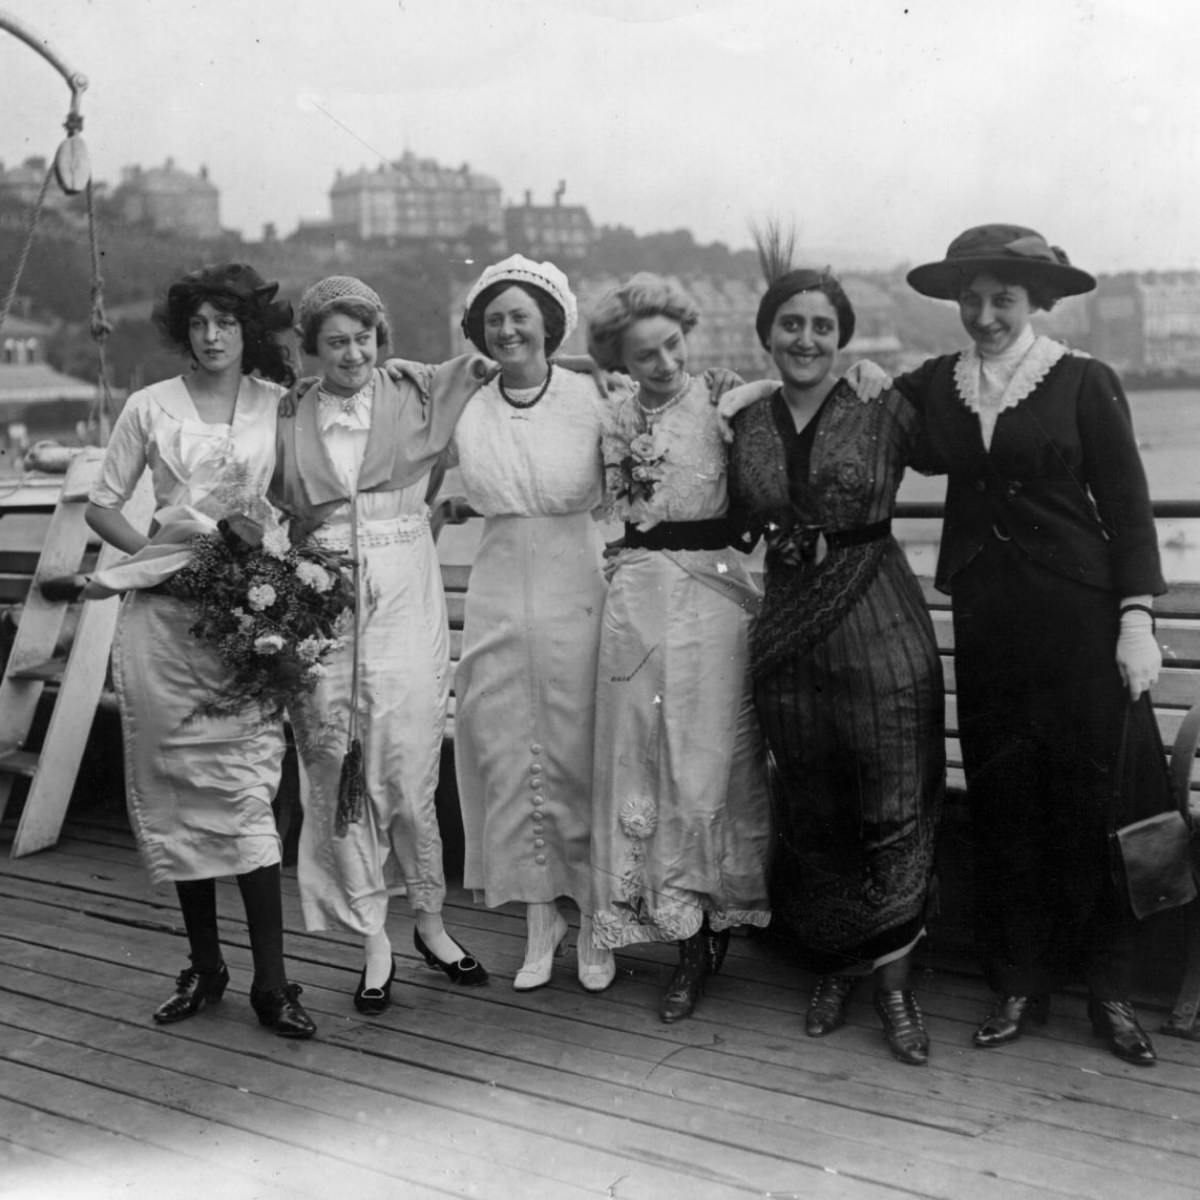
(881, 128)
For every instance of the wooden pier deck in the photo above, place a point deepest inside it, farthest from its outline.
(554, 1094)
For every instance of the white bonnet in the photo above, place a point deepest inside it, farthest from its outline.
(519, 269)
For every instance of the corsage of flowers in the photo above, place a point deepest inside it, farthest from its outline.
(633, 464)
(268, 609)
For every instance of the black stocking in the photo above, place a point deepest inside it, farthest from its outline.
(198, 903)
(264, 918)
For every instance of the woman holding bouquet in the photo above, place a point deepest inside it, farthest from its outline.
(354, 456)
(199, 786)
(681, 820)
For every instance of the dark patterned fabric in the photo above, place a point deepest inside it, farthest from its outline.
(849, 685)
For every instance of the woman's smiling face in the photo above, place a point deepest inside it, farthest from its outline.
(804, 339)
(994, 313)
(514, 330)
(654, 351)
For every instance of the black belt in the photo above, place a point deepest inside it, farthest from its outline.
(858, 536)
(682, 535)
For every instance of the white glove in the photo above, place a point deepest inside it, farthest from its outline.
(1139, 658)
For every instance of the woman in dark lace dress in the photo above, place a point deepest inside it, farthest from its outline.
(848, 685)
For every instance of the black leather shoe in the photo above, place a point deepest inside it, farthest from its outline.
(1117, 1023)
(467, 972)
(827, 1008)
(373, 1000)
(1008, 1019)
(687, 984)
(279, 1009)
(903, 1027)
(193, 990)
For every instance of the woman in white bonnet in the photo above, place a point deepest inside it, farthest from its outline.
(528, 447)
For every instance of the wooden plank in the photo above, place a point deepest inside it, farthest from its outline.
(75, 706)
(221, 1058)
(44, 1154)
(412, 1020)
(65, 1079)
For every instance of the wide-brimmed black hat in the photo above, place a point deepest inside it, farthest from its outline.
(1005, 248)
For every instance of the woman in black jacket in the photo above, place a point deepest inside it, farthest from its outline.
(1050, 556)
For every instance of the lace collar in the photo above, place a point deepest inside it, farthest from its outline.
(347, 412)
(990, 386)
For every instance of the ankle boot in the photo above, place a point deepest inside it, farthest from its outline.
(280, 1009)
(193, 990)
(687, 983)
(827, 1008)
(716, 945)
(1008, 1019)
(903, 1026)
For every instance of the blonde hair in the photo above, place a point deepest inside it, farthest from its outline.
(644, 295)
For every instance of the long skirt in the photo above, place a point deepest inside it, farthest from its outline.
(526, 703)
(198, 788)
(682, 812)
(1041, 706)
(855, 727)
(402, 648)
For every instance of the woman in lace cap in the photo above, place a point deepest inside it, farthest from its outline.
(681, 824)
(353, 464)
(848, 685)
(1050, 557)
(528, 448)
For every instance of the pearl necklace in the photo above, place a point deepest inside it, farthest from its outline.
(525, 403)
(667, 404)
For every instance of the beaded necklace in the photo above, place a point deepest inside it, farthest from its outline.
(668, 404)
(525, 403)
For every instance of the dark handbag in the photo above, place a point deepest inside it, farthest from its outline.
(1152, 858)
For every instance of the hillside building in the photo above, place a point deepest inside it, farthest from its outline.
(554, 231)
(416, 198)
(169, 200)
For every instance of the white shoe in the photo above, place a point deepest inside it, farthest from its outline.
(597, 967)
(536, 972)
(598, 977)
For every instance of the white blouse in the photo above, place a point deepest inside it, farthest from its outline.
(538, 461)
(210, 467)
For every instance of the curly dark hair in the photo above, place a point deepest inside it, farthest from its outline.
(239, 290)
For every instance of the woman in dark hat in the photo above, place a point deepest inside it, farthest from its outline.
(199, 787)
(848, 685)
(1050, 556)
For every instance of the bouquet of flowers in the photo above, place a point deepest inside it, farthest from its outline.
(270, 611)
(633, 463)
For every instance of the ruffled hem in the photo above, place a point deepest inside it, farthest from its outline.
(618, 926)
